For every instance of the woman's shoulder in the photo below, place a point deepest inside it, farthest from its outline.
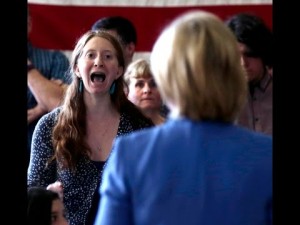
(50, 117)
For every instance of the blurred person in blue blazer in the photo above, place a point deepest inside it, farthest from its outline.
(199, 167)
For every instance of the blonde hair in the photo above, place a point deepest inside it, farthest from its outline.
(196, 65)
(139, 68)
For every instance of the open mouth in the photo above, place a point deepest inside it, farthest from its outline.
(98, 77)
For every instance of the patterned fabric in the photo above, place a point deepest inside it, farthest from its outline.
(79, 187)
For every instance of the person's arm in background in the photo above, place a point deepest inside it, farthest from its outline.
(35, 113)
(48, 93)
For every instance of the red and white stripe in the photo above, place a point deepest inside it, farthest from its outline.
(57, 24)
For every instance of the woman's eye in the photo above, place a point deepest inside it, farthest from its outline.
(139, 84)
(108, 56)
(152, 84)
(90, 55)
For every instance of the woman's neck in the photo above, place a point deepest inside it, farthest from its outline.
(155, 116)
(99, 106)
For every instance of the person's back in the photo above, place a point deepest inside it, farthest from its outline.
(197, 173)
(198, 167)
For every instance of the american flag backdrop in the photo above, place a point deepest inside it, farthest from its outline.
(57, 24)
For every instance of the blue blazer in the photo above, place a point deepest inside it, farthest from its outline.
(185, 172)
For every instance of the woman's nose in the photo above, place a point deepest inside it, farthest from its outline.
(98, 62)
(146, 88)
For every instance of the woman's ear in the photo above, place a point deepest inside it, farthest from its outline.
(77, 72)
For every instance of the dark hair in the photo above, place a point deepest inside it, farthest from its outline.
(39, 205)
(123, 27)
(251, 31)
